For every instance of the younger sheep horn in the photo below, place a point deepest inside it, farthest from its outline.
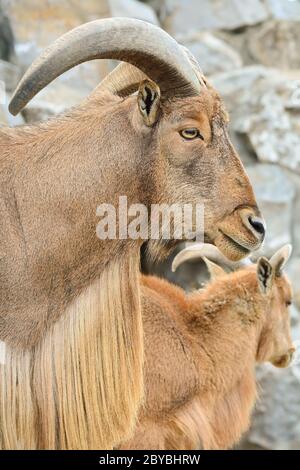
(211, 252)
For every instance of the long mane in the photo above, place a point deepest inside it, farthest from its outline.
(80, 387)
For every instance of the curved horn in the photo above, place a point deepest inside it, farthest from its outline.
(280, 258)
(193, 61)
(125, 78)
(142, 44)
(200, 250)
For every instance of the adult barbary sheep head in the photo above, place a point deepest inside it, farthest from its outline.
(184, 152)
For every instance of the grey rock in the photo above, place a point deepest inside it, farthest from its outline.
(239, 41)
(213, 54)
(276, 44)
(38, 24)
(294, 308)
(159, 6)
(295, 322)
(232, 85)
(275, 423)
(193, 16)
(133, 9)
(275, 195)
(266, 106)
(6, 119)
(283, 9)
(295, 178)
(52, 101)
(6, 34)
(293, 271)
(10, 74)
(273, 124)
(243, 147)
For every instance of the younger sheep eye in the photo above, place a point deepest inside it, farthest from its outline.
(191, 134)
(288, 303)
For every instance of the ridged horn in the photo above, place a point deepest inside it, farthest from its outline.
(141, 44)
(211, 252)
(125, 78)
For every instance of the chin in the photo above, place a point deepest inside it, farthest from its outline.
(282, 361)
(230, 248)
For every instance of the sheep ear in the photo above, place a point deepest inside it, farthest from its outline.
(148, 101)
(279, 260)
(214, 269)
(265, 275)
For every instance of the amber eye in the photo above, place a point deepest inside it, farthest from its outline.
(191, 134)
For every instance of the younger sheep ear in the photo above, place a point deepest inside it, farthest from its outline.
(279, 260)
(148, 101)
(214, 269)
(265, 275)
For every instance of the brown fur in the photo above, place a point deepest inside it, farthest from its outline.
(54, 396)
(200, 355)
(52, 178)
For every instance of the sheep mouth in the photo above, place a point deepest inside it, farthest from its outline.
(236, 244)
(231, 248)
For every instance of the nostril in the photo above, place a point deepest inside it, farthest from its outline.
(258, 225)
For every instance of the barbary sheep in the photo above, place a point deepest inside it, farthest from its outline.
(201, 349)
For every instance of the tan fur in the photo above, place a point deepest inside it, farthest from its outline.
(200, 356)
(54, 396)
(53, 176)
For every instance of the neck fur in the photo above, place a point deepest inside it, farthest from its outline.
(226, 321)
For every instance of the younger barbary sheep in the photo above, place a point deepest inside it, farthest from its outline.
(201, 350)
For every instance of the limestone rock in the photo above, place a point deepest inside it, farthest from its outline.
(275, 423)
(37, 24)
(192, 16)
(52, 101)
(232, 85)
(265, 106)
(213, 54)
(293, 270)
(295, 178)
(243, 147)
(273, 124)
(133, 9)
(10, 74)
(6, 35)
(275, 195)
(283, 9)
(294, 308)
(276, 44)
(6, 119)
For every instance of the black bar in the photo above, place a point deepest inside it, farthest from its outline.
(138, 459)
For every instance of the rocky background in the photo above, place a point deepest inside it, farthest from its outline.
(250, 50)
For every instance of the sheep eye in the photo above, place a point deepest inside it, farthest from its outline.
(288, 303)
(191, 134)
